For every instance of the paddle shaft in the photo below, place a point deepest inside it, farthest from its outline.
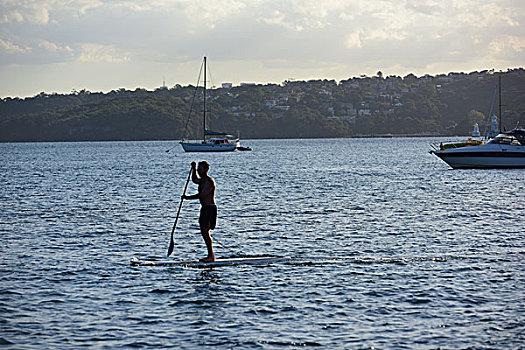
(172, 243)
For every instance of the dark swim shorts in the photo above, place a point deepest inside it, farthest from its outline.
(208, 217)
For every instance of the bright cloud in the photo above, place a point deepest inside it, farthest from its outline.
(354, 41)
(53, 47)
(509, 44)
(11, 48)
(31, 11)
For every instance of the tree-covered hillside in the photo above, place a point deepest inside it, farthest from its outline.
(443, 104)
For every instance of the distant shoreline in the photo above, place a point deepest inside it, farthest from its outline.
(374, 136)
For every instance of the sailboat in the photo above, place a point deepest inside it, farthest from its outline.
(212, 141)
(506, 150)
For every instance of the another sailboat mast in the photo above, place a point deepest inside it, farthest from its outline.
(500, 116)
(204, 115)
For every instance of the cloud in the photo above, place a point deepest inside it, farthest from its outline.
(11, 48)
(507, 44)
(31, 11)
(53, 47)
(425, 7)
(272, 40)
(208, 12)
(84, 6)
(95, 53)
(11, 17)
(277, 18)
(353, 40)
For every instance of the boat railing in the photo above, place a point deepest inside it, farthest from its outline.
(455, 144)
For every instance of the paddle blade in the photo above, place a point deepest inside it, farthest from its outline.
(170, 248)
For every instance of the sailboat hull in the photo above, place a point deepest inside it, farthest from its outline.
(207, 147)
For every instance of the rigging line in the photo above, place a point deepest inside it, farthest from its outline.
(212, 85)
(193, 100)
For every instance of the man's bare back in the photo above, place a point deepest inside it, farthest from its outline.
(206, 190)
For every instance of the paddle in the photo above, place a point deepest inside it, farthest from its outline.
(172, 243)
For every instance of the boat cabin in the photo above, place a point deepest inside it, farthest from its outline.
(219, 141)
(513, 138)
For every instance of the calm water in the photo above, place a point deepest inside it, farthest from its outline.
(390, 248)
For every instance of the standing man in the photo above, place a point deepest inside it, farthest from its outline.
(206, 196)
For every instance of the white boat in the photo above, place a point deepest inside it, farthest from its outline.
(221, 142)
(507, 150)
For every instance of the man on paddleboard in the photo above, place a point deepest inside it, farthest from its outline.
(206, 196)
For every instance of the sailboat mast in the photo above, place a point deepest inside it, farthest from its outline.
(500, 116)
(204, 115)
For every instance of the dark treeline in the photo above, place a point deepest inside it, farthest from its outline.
(445, 104)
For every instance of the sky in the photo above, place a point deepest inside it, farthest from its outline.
(59, 46)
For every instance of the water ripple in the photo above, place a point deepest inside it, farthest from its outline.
(388, 248)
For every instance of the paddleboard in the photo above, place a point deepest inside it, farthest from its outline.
(219, 262)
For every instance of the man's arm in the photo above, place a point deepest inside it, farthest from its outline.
(195, 196)
(194, 177)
